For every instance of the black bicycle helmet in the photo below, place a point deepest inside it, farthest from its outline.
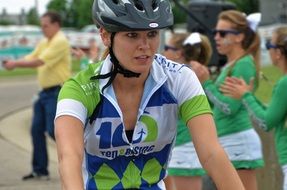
(127, 15)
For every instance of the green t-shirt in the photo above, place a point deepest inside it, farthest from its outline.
(273, 116)
(229, 114)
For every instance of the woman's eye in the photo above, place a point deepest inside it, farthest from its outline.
(153, 33)
(132, 35)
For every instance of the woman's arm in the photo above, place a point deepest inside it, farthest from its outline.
(226, 105)
(70, 147)
(211, 154)
(261, 116)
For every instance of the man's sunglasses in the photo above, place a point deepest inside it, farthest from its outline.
(269, 45)
(167, 47)
(223, 33)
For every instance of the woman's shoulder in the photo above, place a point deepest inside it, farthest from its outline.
(245, 62)
(283, 81)
(171, 68)
(179, 77)
(91, 70)
(244, 59)
(82, 87)
(83, 79)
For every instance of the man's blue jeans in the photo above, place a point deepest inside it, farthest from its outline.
(44, 111)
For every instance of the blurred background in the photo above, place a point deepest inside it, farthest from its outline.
(20, 32)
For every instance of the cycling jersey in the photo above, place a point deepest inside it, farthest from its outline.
(110, 160)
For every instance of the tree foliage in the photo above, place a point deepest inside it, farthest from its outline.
(247, 6)
(78, 13)
(61, 7)
(75, 13)
(5, 22)
(179, 15)
(81, 11)
(32, 17)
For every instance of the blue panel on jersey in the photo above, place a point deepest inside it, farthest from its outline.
(162, 96)
(107, 109)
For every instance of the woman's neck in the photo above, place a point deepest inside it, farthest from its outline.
(129, 84)
(235, 55)
(282, 65)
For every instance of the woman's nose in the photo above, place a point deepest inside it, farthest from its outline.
(144, 43)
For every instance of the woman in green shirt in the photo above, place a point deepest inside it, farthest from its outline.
(273, 116)
(235, 36)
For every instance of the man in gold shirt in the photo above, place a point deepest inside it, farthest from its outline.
(52, 59)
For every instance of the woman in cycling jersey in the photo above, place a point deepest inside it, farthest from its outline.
(116, 120)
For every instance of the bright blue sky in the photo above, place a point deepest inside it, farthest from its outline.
(15, 6)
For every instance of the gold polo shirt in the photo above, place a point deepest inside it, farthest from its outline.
(55, 54)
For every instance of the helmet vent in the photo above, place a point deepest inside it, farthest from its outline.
(116, 1)
(154, 5)
(139, 5)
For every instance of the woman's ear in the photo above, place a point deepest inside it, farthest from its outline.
(179, 54)
(106, 37)
(239, 38)
(278, 53)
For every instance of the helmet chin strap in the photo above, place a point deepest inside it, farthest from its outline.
(117, 68)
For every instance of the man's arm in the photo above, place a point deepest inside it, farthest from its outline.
(22, 63)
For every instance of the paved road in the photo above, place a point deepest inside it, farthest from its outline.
(16, 93)
(15, 142)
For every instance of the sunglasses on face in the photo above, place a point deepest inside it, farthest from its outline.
(269, 45)
(223, 33)
(167, 47)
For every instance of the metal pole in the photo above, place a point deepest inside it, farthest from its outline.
(36, 7)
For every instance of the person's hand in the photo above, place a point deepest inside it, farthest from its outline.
(200, 70)
(78, 53)
(235, 87)
(9, 65)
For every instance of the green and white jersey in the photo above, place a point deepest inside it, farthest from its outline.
(111, 161)
(273, 116)
(229, 114)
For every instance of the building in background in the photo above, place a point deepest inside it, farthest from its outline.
(15, 19)
(274, 11)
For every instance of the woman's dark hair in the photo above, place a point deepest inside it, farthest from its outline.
(200, 52)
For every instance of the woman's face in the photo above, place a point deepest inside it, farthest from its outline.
(225, 37)
(135, 50)
(273, 52)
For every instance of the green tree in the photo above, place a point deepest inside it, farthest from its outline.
(32, 17)
(5, 22)
(246, 6)
(180, 16)
(60, 6)
(75, 13)
(81, 13)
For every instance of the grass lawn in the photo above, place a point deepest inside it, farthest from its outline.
(264, 91)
